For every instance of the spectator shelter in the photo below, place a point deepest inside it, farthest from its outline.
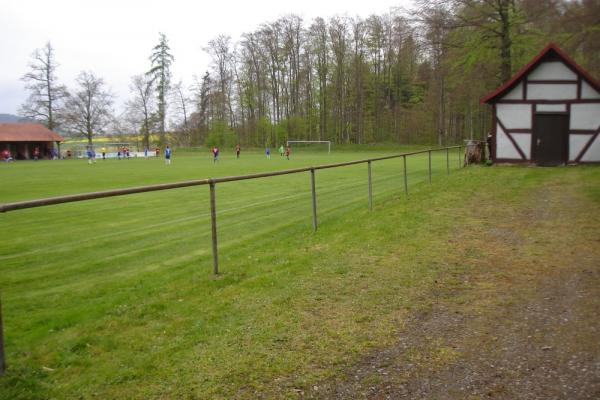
(548, 113)
(21, 140)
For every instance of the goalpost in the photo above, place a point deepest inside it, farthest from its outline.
(312, 141)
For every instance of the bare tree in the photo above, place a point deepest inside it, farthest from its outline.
(89, 109)
(220, 51)
(141, 107)
(320, 48)
(46, 95)
(181, 123)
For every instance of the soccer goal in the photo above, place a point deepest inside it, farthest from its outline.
(309, 143)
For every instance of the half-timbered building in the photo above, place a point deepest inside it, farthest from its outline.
(548, 113)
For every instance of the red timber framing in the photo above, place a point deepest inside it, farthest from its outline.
(548, 54)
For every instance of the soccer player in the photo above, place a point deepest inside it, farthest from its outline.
(215, 152)
(36, 153)
(104, 153)
(237, 151)
(6, 155)
(288, 150)
(168, 155)
(146, 153)
(281, 150)
(90, 155)
(268, 152)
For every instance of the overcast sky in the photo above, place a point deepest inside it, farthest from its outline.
(114, 38)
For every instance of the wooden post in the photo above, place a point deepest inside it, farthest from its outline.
(405, 177)
(314, 198)
(429, 153)
(447, 161)
(370, 188)
(2, 360)
(213, 222)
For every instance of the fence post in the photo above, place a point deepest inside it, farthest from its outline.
(405, 177)
(314, 198)
(447, 161)
(429, 152)
(2, 360)
(213, 223)
(370, 188)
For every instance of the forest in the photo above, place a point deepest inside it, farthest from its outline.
(409, 76)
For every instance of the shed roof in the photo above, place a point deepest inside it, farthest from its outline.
(28, 133)
(551, 51)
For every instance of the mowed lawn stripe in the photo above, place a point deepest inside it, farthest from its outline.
(72, 307)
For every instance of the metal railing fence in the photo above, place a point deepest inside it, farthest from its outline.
(212, 183)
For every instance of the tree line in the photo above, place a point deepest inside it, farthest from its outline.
(408, 76)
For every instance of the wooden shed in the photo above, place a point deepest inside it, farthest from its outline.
(548, 113)
(22, 139)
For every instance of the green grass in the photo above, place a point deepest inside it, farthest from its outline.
(114, 298)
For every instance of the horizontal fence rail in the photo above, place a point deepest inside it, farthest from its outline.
(212, 183)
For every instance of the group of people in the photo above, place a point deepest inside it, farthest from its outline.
(121, 152)
(282, 151)
(7, 156)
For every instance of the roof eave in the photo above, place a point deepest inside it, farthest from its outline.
(518, 76)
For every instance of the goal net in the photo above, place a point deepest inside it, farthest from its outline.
(312, 145)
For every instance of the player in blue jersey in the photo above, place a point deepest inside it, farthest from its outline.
(168, 155)
(91, 155)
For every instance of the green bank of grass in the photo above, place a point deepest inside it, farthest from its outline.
(114, 298)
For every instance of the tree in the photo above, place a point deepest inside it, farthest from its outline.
(321, 51)
(220, 51)
(160, 74)
(89, 109)
(141, 107)
(46, 95)
(181, 123)
(201, 119)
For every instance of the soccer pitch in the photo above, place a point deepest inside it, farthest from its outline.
(106, 296)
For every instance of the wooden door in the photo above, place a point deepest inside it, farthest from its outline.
(550, 139)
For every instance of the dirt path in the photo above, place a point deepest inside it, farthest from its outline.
(518, 318)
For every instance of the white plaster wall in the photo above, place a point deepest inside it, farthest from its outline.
(588, 92)
(514, 116)
(524, 142)
(504, 147)
(553, 70)
(576, 143)
(552, 107)
(556, 91)
(515, 94)
(593, 153)
(585, 116)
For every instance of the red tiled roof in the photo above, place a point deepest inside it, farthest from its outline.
(512, 82)
(28, 133)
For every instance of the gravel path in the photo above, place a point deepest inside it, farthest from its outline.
(517, 315)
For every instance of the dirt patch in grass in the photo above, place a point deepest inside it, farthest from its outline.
(515, 316)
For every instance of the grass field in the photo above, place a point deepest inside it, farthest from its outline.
(114, 298)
